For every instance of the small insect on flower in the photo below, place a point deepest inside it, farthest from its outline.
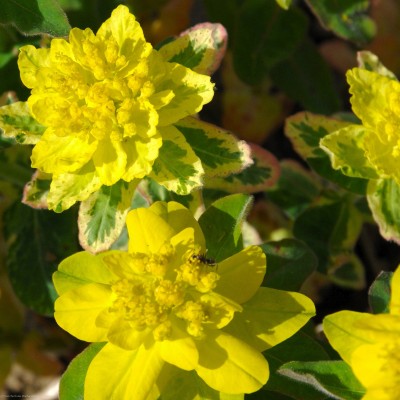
(204, 260)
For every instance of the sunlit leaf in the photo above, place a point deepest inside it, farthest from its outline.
(383, 199)
(102, 216)
(200, 48)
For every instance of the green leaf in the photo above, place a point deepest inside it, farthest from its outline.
(38, 240)
(383, 199)
(305, 130)
(35, 17)
(302, 346)
(334, 379)
(188, 385)
(345, 148)
(102, 216)
(220, 152)
(36, 190)
(73, 380)
(289, 263)
(14, 164)
(285, 4)
(295, 189)
(379, 293)
(257, 177)
(265, 35)
(346, 270)
(17, 122)
(177, 167)
(329, 229)
(306, 78)
(221, 224)
(370, 62)
(346, 18)
(200, 48)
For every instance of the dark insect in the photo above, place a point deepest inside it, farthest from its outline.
(204, 260)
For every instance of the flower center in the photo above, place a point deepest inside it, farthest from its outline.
(159, 289)
(391, 367)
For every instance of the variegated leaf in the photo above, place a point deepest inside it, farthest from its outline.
(177, 167)
(36, 190)
(383, 197)
(221, 154)
(259, 176)
(305, 130)
(345, 148)
(371, 62)
(200, 48)
(17, 122)
(102, 216)
(66, 189)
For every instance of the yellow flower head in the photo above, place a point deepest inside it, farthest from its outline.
(370, 344)
(163, 306)
(106, 101)
(376, 101)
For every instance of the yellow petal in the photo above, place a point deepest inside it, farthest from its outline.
(140, 156)
(30, 61)
(109, 161)
(231, 366)
(80, 269)
(123, 335)
(147, 231)
(126, 31)
(123, 375)
(341, 330)
(370, 94)
(179, 350)
(76, 311)
(179, 217)
(55, 154)
(270, 317)
(377, 368)
(395, 293)
(247, 266)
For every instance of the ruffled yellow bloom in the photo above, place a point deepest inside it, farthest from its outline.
(370, 344)
(163, 307)
(376, 101)
(107, 101)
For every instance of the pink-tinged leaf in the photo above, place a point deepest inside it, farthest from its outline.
(259, 176)
(36, 190)
(200, 48)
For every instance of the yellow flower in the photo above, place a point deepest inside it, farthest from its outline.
(163, 307)
(107, 101)
(370, 344)
(376, 101)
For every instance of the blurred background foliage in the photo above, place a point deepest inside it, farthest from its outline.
(318, 232)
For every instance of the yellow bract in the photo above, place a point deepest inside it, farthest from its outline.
(164, 303)
(105, 99)
(376, 101)
(370, 344)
